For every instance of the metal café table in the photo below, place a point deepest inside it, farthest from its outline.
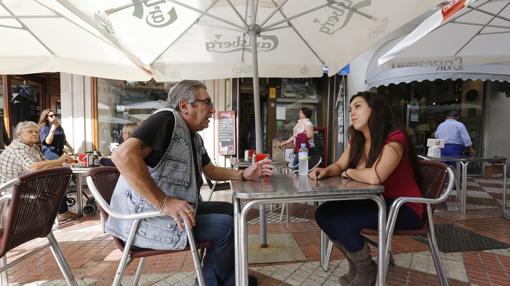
(294, 188)
(80, 172)
(461, 176)
(281, 167)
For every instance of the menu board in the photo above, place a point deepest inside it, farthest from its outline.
(226, 132)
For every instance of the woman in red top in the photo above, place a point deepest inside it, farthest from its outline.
(378, 153)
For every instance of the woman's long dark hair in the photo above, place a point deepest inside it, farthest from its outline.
(382, 121)
(43, 118)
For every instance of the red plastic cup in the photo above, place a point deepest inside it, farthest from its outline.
(82, 158)
(261, 156)
(250, 153)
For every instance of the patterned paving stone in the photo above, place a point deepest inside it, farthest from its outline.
(93, 257)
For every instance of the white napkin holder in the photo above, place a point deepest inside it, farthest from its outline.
(435, 146)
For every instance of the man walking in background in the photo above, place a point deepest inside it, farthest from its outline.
(455, 135)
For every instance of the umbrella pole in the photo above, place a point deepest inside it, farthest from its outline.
(256, 92)
(253, 29)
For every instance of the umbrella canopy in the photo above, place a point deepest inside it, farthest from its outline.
(44, 36)
(462, 33)
(195, 39)
(202, 39)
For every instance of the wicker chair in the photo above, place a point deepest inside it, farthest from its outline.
(434, 177)
(101, 182)
(33, 204)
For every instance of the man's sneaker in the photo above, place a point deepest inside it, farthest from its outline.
(67, 216)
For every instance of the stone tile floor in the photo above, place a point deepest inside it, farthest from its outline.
(93, 257)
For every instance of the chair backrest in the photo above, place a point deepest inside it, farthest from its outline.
(433, 179)
(315, 161)
(33, 206)
(209, 183)
(105, 179)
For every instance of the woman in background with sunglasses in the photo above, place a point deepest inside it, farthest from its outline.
(53, 140)
(52, 136)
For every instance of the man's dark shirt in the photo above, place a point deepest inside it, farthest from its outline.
(156, 132)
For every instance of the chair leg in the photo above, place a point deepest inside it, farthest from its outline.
(124, 261)
(195, 254)
(327, 256)
(373, 243)
(4, 279)
(212, 191)
(139, 270)
(438, 263)
(284, 206)
(103, 222)
(61, 261)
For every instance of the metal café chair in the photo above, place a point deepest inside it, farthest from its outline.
(216, 186)
(101, 182)
(434, 177)
(32, 201)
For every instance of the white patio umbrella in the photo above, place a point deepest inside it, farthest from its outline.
(464, 33)
(44, 36)
(215, 38)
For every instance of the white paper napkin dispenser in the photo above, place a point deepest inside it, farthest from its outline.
(435, 146)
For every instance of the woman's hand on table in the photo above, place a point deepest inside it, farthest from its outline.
(261, 168)
(317, 173)
(345, 175)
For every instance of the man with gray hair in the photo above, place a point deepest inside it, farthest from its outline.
(168, 144)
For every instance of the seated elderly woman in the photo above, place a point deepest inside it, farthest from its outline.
(23, 155)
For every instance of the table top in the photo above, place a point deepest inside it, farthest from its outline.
(246, 164)
(496, 159)
(79, 170)
(293, 185)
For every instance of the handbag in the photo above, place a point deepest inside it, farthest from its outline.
(300, 139)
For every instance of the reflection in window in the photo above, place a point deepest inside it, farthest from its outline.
(422, 106)
(122, 102)
(296, 93)
(24, 100)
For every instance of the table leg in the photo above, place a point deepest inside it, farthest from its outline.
(464, 186)
(263, 226)
(382, 264)
(505, 213)
(458, 175)
(237, 250)
(243, 245)
(79, 193)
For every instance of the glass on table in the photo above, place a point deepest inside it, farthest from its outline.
(259, 157)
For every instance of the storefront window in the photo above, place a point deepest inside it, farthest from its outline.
(422, 106)
(296, 93)
(122, 102)
(24, 100)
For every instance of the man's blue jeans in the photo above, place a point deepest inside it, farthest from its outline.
(215, 223)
